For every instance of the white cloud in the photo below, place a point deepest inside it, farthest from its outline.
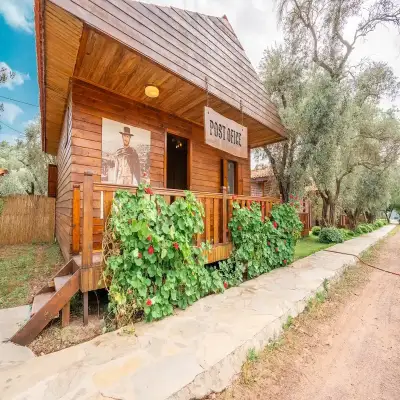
(18, 79)
(18, 14)
(10, 113)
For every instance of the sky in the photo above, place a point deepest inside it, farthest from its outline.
(254, 22)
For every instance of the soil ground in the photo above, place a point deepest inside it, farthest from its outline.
(345, 346)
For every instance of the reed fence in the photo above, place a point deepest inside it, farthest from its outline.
(26, 219)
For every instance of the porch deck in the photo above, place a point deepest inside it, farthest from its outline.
(95, 199)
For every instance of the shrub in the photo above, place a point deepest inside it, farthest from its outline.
(346, 233)
(260, 246)
(316, 230)
(153, 265)
(379, 223)
(361, 229)
(330, 235)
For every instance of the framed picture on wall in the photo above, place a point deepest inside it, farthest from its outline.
(125, 155)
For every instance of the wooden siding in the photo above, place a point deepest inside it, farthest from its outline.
(88, 106)
(193, 46)
(64, 185)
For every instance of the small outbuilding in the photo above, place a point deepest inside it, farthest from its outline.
(136, 93)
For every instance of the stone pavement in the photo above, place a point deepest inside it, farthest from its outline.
(10, 320)
(187, 355)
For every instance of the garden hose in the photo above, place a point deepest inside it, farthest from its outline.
(369, 265)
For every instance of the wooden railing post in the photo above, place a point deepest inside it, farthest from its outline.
(76, 218)
(224, 215)
(87, 239)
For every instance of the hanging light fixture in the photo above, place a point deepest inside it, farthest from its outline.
(151, 91)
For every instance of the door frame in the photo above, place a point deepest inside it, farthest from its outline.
(189, 157)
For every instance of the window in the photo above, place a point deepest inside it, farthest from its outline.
(229, 176)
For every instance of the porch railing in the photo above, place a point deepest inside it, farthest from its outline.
(95, 199)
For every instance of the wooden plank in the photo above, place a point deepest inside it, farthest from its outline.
(85, 308)
(65, 315)
(38, 321)
(208, 219)
(224, 215)
(216, 215)
(76, 218)
(87, 242)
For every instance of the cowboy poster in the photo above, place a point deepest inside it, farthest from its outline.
(125, 154)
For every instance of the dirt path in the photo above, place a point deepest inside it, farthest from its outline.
(348, 348)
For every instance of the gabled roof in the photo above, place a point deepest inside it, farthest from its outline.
(193, 45)
(200, 51)
(262, 171)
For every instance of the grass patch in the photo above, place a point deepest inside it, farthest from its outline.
(309, 245)
(24, 269)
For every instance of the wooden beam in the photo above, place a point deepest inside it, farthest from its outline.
(87, 240)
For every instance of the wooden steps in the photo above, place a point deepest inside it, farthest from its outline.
(60, 281)
(48, 303)
(40, 300)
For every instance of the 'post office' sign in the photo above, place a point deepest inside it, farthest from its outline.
(225, 134)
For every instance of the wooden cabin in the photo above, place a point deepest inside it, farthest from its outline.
(172, 88)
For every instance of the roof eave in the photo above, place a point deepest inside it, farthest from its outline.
(39, 36)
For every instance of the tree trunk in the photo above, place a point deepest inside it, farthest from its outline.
(324, 216)
(370, 217)
(332, 213)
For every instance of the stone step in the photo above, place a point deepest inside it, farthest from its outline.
(60, 281)
(40, 300)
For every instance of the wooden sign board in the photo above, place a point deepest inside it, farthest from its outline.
(225, 134)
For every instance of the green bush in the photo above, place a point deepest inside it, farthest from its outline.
(316, 230)
(331, 235)
(153, 265)
(346, 233)
(379, 223)
(361, 229)
(260, 246)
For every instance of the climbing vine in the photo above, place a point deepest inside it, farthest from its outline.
(156, 266)
(152, 264)
(260, 245)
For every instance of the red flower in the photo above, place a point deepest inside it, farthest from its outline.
(285, 261)
(291, 196)
(276, 249)
(263, 205)
(239, 228)
(145, 174)
(269, 243)
(176, 245)
(148, 191)
(149, 238)
(226, 285)
(150, 250)
(149, 302)
(139, 255)
(275, 224)
(233, 198)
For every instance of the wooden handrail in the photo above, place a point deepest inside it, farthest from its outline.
(218, 209)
